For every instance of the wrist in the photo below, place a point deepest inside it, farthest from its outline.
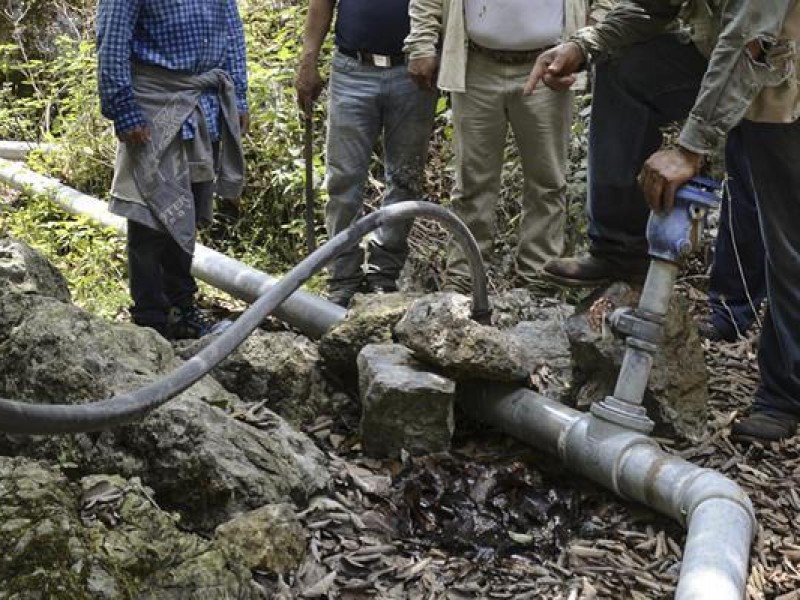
(696, 158)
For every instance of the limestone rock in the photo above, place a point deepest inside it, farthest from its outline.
(546, 350)
(440, 332)
(25, 270)
(517, 305)
(52, 549)
(280, 369)
(677, 394)
(191, 451)
(370, 320)
(269, 538)
(403, 405)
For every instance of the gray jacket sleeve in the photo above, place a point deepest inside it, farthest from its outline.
(734, 78)
(426, 28)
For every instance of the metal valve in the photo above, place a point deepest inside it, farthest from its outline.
(674, 235)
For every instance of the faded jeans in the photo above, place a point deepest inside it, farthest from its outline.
(368, 102)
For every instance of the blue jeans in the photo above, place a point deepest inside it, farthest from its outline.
(738, 276)
(773, 151)
(365, 103)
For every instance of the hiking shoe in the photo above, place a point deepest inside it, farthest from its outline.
(190, 323)
(712, 332)
(764, 427)
(592, 271)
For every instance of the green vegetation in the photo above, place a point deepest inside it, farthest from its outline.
(48, 93)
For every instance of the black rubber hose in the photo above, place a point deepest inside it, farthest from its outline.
(25, 418)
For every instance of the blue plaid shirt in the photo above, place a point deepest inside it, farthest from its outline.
(191, 36)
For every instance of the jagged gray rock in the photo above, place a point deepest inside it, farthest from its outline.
(403, 406)
(280, 369)
(546, 351)
(269, 538)
(25, 270)
(192, 451)
(105, 539)
(370, 320)
(440, 332)
(677, 394)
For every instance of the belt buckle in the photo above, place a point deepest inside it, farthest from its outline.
(380, 60)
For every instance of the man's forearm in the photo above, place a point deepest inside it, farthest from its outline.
(630, 22)
(236, 55)
(318, 24)
(426, 28)
(115, 23)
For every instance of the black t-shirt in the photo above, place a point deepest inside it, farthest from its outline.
(375, 26)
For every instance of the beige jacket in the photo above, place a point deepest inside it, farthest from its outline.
(441, 22)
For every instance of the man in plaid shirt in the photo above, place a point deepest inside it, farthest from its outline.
(158, 61)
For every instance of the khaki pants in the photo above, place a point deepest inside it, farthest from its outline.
(540, 124)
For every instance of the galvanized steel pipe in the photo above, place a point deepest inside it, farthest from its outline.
(718, 515)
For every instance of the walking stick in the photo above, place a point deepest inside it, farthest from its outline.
(308, 152)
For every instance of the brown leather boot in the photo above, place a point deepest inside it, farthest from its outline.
(590, 271)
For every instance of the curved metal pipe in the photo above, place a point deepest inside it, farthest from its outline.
(718, 515)
(21, 417)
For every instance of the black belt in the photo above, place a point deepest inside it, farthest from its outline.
(376, 60)
(508, 57)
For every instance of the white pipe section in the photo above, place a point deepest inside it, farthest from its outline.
(13, 150)
(309, 313)
(718, 514)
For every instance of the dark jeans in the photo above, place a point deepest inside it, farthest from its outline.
(738, 276)
(159, 270)
(635, 95)
(774, 154)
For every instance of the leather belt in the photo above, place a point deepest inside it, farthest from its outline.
(376, 60)
(508, 57)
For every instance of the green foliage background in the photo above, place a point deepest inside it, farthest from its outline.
(48, 93)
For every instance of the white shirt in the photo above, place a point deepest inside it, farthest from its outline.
(514, 24)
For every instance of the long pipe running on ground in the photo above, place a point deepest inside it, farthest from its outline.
(719, 516)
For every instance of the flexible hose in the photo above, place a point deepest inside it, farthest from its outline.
(25, 418)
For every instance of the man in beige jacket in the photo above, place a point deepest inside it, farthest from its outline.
(744, 61)
(483, 51)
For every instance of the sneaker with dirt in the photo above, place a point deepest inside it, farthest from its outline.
(761, 426)
(190, 323)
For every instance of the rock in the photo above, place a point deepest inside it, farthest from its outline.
(677, 394)
(25, 270)
(440, 332)
(370, 320)
(269, 538)
(51, 549)
(517, 305)
(55, 352)
(280, 369)
(403, 405)
(546, 350)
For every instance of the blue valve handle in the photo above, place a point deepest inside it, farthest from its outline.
(669, 235)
